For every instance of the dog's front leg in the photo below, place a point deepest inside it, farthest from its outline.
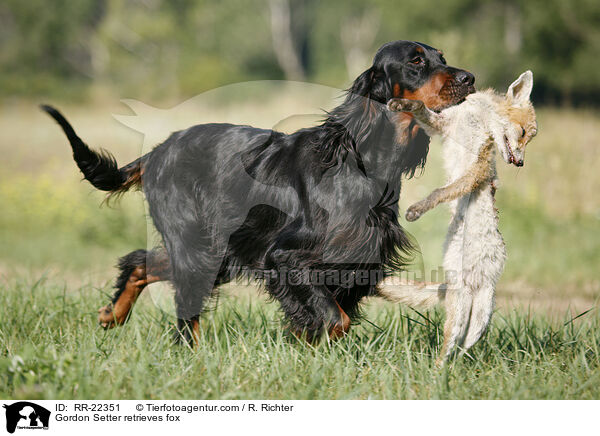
(310, 306)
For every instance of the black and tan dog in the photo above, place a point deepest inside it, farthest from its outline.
(230, 200)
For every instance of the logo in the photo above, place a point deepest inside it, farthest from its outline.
(26, 415)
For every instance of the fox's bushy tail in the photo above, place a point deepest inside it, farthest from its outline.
(98, 167)
(414, 294)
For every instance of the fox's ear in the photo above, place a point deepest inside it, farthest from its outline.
(520, 90)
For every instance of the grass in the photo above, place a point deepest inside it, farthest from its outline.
(52, 348)
(53, 227)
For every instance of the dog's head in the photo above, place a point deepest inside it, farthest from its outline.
(403, 69)
(415, 71)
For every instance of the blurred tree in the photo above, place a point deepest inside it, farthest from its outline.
(562, 43)
(53, 44)
(289, 29)
(168, 49)
(357, 34)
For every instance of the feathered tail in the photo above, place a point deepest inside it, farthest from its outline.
(99, 168)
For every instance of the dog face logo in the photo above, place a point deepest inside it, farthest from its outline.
(26, 415)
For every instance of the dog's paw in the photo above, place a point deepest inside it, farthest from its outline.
(404, 105)
(106, 317)
(413, 213)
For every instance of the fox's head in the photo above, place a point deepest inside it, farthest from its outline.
(522, 126)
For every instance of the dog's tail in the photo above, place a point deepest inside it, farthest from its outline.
(98, 167)
(414, 294)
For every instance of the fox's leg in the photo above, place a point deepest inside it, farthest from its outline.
(478, 174)
(458, 311)
(459, 297)
(481, 314)
(426, 117)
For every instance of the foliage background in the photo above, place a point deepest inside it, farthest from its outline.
(158, 49)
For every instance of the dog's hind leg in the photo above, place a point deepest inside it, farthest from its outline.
(192, 289)
(195, 267)
(481, 314)
(138, 269)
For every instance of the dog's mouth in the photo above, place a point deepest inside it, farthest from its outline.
(463, 92)
(454, 94)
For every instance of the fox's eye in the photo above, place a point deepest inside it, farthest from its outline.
(522, 132)
(417, 60)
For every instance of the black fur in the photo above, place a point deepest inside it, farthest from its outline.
(153, 261)
(234, 200)
(98, 168)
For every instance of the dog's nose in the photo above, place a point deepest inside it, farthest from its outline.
(465, 78)
(519, 163)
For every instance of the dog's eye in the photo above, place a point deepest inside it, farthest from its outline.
(442, 60)
(522, 132)
(417, 60)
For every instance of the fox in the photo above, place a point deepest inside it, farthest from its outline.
(474, 250)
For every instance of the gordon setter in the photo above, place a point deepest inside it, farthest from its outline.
(313, 214)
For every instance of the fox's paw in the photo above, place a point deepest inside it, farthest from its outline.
(404, 105)
(413, 213)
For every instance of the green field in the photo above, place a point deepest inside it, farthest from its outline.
(58, 248)
(52, 348)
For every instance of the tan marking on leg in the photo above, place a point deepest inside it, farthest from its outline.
(340, 328)
(195, 323)
(109, 315)
(310, 339)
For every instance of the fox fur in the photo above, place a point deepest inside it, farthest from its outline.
(474, 251)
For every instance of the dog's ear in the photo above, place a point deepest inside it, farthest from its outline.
(362, 85)
(520, 90)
